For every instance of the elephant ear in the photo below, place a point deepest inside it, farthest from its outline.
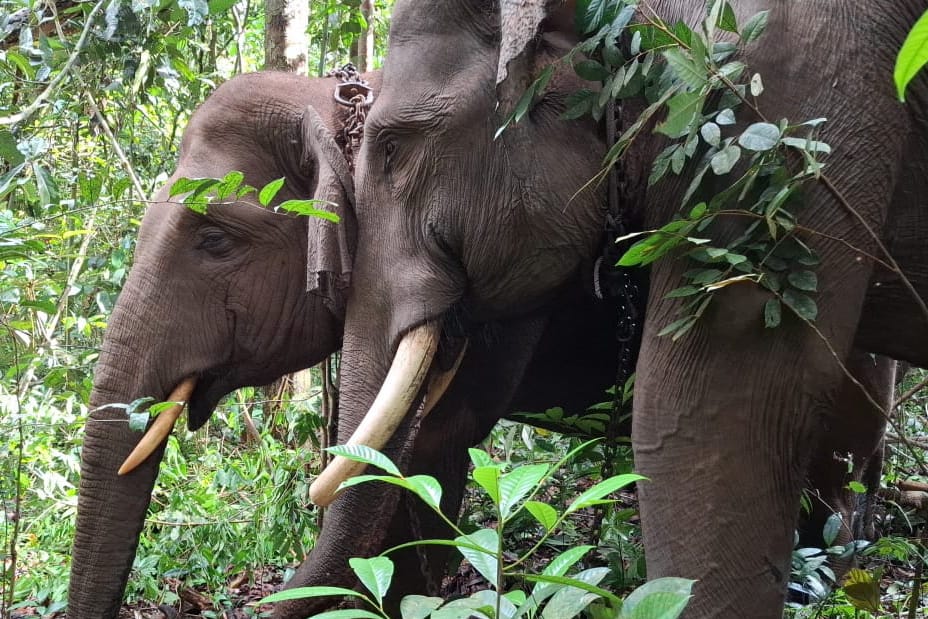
(522, 23)
(331, 245)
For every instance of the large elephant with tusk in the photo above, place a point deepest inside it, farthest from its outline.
(461, 231)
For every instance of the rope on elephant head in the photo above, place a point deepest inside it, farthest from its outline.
(355, 93)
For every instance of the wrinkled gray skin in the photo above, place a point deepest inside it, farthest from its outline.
(224, 297)
(725, 420)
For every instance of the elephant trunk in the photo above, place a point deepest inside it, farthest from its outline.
(110, 512)
(111, 508)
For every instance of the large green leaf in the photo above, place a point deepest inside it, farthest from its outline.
(484, 561)
(365, 454)
(375, 574)
(602, 489)
(514, 485)
(912, 56)
(570, 601)
(662, 598)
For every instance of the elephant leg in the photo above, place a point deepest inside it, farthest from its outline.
(374, 517)
(850, 449)
(724, 423)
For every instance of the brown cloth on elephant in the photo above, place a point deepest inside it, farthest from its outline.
(331, 245)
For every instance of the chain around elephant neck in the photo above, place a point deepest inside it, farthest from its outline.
(618, 283)
(356, 94)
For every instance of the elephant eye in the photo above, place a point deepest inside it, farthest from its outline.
(214, 241)
(389, 149)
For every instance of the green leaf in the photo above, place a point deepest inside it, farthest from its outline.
(727, 20)
(832, 528)
(803, 280)
(138, 422)
(307, 207)
(755, 27)
(488, 479)
(367, 455)
(662, 598)
(760, 137)
(484, 562)
(685, 68)
(863, 590)
(857, 488)
(811, 146)
(602, 489)
(682, 110)
(514, 485)
(479, 457)
(543, 513)
(570, 601)
(725, 117)
(757, 85)
(800, 303)
(419, 606)
(301, 593)
(375, 574)
(772, 313)
(8, 148)
(711, 133)
(270, 190)
(912, 55)
(426, 488)
(723, 161)
(591, 70)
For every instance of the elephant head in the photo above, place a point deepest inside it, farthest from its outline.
(219, 297)
(469, 248)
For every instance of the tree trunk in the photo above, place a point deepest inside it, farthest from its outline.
(365, 43)
(285, 43)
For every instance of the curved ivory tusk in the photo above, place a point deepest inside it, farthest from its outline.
(439, 383)
(161, 427)
(410, 367)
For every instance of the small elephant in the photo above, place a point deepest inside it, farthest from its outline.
(220, 297)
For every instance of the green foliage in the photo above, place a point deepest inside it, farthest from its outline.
(751, 173)
(553, 594)
(201, 192)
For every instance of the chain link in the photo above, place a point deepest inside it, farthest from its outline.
(355, 93)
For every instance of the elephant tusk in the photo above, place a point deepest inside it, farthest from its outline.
(410, 367)
(161, 427)
(439, 383)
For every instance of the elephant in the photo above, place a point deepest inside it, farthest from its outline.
(222, 296)
(461, 229)
(218, 296)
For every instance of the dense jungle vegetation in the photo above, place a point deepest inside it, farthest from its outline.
(94, 97)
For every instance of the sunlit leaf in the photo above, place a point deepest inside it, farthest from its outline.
(912, 56)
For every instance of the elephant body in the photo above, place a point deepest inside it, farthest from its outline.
(459, 228)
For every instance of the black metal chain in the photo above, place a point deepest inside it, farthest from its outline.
(618, 284)
(355, 93)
